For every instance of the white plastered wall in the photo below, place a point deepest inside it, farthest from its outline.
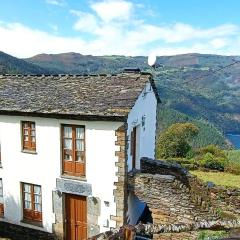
(145, 109)
(44, 167)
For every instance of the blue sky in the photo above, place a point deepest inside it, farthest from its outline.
(126, 27)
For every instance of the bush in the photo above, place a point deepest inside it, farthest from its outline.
(210, 157)
(232, 167)
(213, 149)
(212, 162)
(174, 141)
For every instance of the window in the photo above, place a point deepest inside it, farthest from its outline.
(1, 199)
(73, 150)
(32, 202)
(29, 136)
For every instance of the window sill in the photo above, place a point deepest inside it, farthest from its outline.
(28, 151)
(79, 178)
(34, 223)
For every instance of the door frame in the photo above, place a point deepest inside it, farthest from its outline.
(135, 145)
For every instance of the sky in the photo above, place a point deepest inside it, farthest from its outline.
(119, 27)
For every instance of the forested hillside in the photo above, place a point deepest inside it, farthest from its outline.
(12, 65)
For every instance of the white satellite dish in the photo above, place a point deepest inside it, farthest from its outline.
(152, 58)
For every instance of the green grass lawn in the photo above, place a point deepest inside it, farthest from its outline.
(219, 178)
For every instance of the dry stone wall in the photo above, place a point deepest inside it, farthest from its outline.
(181, 204)
(175, 196)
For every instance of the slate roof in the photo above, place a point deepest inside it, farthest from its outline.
(72, 96)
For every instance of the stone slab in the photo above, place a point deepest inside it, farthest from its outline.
(74, 187)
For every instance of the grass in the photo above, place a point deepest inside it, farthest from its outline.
(211, 235)
(219, 178)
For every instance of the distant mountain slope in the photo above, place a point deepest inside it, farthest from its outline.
(208, 134)
(12, 65)
(76, 63)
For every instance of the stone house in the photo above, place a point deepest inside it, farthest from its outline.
(67, 144)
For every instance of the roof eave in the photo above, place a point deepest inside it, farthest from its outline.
(83, 117)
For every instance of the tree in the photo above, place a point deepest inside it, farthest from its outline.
(174, 141)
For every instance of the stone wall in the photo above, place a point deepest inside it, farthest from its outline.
(175, 196)
(120, 193)
(168, 231)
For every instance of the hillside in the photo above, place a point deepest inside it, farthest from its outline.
(208, 134)
(76, 63)
(13, 65)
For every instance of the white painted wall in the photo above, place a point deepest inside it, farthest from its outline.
(44, 167)
(146, 105)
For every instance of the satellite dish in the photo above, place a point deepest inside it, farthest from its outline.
(152, 58)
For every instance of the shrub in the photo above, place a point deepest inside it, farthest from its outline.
(174, 141)
(212, 162)
(213, 149)
(232, 167)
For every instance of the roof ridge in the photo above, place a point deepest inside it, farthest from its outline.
(74, 75)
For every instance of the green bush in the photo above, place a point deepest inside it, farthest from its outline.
(213, 149)
(209, 157)
(233, 165)
(212, 162)
(174, 141)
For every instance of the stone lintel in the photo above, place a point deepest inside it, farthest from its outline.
(74, 187)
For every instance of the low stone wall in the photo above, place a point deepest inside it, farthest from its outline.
(166, 231)
(16, 232)
(180, 203)
(175, 196)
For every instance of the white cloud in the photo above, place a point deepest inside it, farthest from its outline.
(219, 43)
(119, 32)
(55, 2)
(22, 41)
(109, 10)
(86, 22)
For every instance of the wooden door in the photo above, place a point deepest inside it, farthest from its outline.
(133, 146)
(76, 217)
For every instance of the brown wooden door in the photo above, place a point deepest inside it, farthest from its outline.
(76, 217)
(133, 146)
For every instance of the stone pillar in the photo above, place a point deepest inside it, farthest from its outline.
(93, 212)
(58, 227)
(120, 193)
